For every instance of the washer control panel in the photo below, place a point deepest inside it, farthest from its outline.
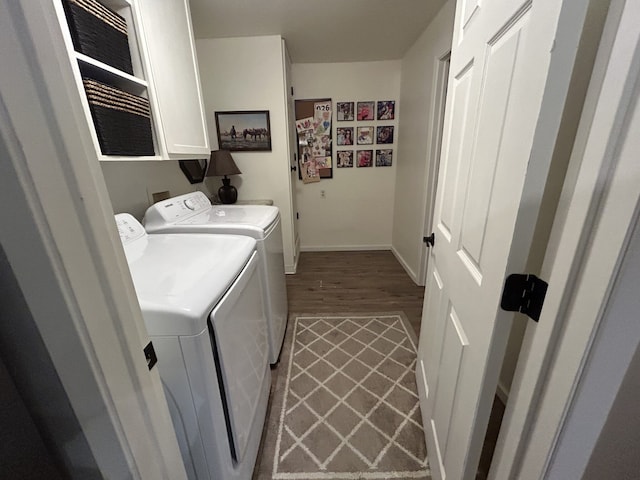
(179, 208)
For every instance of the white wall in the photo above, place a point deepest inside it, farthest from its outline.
(248, 74)
(356, 212)
(131, 184)
(417, 103)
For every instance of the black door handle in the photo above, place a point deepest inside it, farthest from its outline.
(294, 168)
(430, 240)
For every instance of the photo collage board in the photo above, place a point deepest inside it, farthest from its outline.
(314, 131)
(368, 142)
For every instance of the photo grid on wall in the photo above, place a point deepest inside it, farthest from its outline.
(374, 126)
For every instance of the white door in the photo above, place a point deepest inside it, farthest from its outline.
(292, 148)
(490, 182)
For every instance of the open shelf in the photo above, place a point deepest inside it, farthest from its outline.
(136, 84)
(112, 76)
(120, 158)
(116, 4)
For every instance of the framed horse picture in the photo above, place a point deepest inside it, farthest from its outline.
(244, 131)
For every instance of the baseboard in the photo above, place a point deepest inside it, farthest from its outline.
(292, 269)
(406, 267)
(342, 248)
(295, 265)
(502, 392)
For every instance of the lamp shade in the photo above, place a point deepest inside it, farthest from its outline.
(222, 164)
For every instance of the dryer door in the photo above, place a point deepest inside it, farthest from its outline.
(239, 332)
(276, 286)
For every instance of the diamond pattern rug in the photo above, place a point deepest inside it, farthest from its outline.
(349, 406)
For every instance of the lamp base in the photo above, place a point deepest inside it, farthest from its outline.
(227, 193)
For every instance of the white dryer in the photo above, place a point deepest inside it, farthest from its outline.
(193, 213)
(201, 301)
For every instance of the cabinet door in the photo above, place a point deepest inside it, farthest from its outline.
(174, 69)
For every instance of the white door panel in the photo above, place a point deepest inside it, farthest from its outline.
(430, 345)
(469, 8)
(454, 343)
(491, 128)
(499, 65)
(453, 149)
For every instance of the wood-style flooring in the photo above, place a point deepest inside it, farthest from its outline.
(364, 282)
(353, 282)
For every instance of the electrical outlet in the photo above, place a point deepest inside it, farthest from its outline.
(322, 195)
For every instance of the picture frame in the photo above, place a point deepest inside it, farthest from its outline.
(244, 131)
(365, 158)
(384, 134)
(323, 162)
(365, 136)
(386, 110)
(384, 157)
(366, 111)
(345, 111)
(345, 158)
(345, 135)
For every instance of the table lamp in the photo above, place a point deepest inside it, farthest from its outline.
(222, 164)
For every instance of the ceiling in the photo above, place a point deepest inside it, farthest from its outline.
(321, 31)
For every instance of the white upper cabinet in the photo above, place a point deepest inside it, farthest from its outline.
(164, 75)
(135, 82)
(169, 44)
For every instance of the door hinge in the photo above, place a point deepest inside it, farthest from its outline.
(524, 293)
(150, 355)
(430, 240)
(292, 91)
(297, 216)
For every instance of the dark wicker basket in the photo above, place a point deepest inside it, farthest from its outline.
(122, 120)
(99, 32)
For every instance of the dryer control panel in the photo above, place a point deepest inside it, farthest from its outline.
(177, 208)
(129, 228)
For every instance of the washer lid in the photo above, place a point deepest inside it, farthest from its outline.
(179, 278)
(232, 219)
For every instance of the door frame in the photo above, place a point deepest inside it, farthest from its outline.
(438, 103)
(596, 216)
(61, 241)
(292, 149)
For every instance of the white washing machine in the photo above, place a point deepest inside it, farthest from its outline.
(193, 213)
(201, 300)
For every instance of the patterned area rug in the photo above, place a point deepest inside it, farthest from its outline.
(346, 407)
